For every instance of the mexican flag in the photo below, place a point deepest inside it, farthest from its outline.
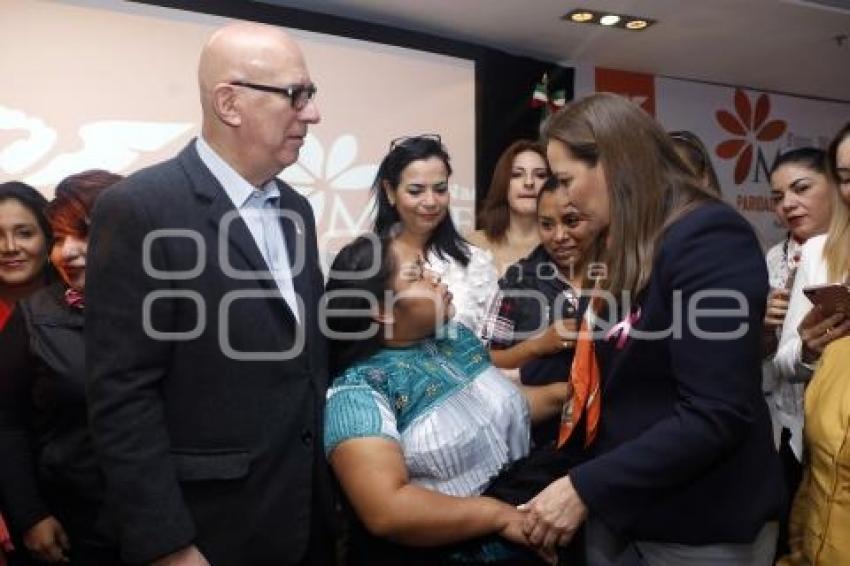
(559, 98)
(540, 96)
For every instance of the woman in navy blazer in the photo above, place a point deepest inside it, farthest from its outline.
(682, 467)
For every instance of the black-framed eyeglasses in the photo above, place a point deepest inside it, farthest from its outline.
(405, 140)
(299, 95)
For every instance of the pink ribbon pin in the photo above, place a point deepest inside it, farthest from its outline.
(75, 299)
(623, 328)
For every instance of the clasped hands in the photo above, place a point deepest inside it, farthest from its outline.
(552, 518)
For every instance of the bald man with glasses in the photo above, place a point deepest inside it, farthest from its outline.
(208, 367)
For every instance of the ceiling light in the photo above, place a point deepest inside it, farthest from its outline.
(636, 24)
(581, 17)
(622, 21)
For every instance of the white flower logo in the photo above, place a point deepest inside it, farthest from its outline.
(116, 145)
(317, 178)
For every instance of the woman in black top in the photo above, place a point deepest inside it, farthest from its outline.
(543, 292)
(49, 480)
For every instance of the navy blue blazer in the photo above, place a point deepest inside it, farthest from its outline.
(684, 452)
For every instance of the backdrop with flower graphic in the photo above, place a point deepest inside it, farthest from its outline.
(744, 129)
(73, 105)
(747, 129)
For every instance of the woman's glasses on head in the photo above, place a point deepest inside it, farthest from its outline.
(408, 140)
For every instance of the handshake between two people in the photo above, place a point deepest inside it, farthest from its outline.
(549, 520)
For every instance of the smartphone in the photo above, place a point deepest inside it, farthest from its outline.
(831, 298)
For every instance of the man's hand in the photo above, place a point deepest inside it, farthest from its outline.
(554, 515)
(47, 541)
(189, 556)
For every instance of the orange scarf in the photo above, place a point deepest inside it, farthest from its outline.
(584, 378)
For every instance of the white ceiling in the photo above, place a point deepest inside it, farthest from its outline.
(777, 45)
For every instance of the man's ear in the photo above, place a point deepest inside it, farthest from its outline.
(226, 105)
(388, 189)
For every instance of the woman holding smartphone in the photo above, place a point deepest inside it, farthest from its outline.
(802, 198)
(814, 346)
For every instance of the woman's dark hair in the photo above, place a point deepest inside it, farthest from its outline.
(696, 157)
(809, 157)
(597, 250)
(35, 202)
(362, 270)
(30, 199)
(69, 212)
(495, 216)
(445, 240)
(549, 185)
